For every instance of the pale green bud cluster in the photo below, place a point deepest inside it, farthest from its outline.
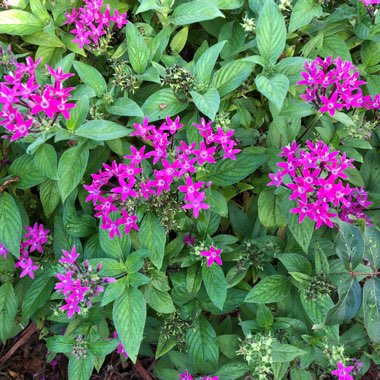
(199, 248)
(285, 5)
(223, 120)
(175, 327)
(6, 276)
(248, 24)
(363, 131)
(79, 349)
(334, 354)
(257, 352)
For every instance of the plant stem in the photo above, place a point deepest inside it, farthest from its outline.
(311, 125)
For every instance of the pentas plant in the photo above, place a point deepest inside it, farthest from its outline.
(118, 189)
(213, 256)
(91, 23)
(187, 376)
(78, 284)
(32, 241)
(314, 175)
(332, 84)
(29, 107)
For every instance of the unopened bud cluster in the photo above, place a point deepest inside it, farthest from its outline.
(124, 78)
(179, 79)
(79, 350)
(257, 352)
(334, 354)
(319, 286)
(248, 24)
(175, 327)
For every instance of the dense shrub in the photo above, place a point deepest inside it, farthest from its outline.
(195, 184)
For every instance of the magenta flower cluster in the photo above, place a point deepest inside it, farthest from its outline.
(33, 240)
(332, 84)
(213, 255)
(78, 285)
(187, 376)
(91, 23)
(27, 104)
(112, 187)
(343, 373)
(370, 2)
(120, 348)
(314, 175)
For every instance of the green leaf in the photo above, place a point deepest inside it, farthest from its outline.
(147, 5)
(215, 284)
(336, 46)
(102, 130)
(49, 195)
(217, 202)
(227, 4)
(269, 207)
(202, 346)
(59, 343)
(8, 309)
(274, 88)
(285, 352)
(350, 299)
(370, 53)
(19, 23)
(39, 10)
(303, 13)
(152, 237)
(129, 315)
(113, 291)
(138, 51)
(125, 107)
(71, 167)
(231, 76)
(43, 39)
(371, 308)
(372, 246)
(37, 294)
(270, 32)
(24, 168)
(162, 103)
(264, 316)
(205, 64)
(228, 172)
(179, 40)
(295, 262)
(208, 103)
(159, 300)
(270, 289)
(165, 344)
(110, 267)
(45, 160)
(117, 247)
(78, 114)
(349, 245)
(91, 77)
(302, 232)
(194, 11)
(11, 225)
(316, 309)
(81, 369)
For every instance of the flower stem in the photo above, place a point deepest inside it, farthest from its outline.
(311, 125)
